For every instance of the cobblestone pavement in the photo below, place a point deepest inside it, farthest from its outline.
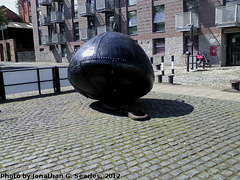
(68, 135)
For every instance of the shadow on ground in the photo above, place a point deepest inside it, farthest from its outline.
(155, 108)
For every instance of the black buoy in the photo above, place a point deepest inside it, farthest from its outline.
(112, 68)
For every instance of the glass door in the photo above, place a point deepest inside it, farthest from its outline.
(234, 49)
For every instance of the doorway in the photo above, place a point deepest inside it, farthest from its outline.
(233, 49)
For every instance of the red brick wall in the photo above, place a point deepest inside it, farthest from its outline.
(24, 10)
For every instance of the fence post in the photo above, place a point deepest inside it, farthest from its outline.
(56, 79)
(151, 60)
(172, 64)
(2, 88)
(162, 65)
(39, 83)
(188, 56)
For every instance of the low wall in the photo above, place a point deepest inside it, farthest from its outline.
(26, 56)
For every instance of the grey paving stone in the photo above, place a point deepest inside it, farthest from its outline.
(196, 139)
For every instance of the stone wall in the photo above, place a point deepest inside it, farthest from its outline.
(26, 56)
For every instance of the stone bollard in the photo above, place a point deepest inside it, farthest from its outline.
(170, 79)
(160, 78)
(235, 84)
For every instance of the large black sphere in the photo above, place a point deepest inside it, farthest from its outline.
(111, 67)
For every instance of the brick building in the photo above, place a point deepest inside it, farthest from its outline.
(16, 39)
(25, 11)
(161, 27)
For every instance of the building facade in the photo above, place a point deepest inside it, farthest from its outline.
(25, 10)
(16, 39)
(162, 27)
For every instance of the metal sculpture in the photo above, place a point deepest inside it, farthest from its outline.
(112, 68)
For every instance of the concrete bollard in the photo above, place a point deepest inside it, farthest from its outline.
(159, 78)
(170, 79)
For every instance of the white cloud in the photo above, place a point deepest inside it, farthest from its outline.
(10, 4)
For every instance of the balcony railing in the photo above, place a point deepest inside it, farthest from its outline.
(86, 34)
(45, 2)
(86, 9)
(46, 40)
(102, 29)
(104, 6)
(184, 21)
(58, 38)
(45, 20)
(228, 16)
(57, 17)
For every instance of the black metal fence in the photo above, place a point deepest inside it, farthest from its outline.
(37, 77)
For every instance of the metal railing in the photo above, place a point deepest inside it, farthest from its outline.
(86, 34)
(57, 16)
(45, 20)
(86, 9)
(102, 29)
(228, 16)
(45, 2)
(59, 38)
(104, 6)
(32, 79)
(184, 21)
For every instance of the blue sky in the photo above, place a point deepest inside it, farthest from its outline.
(10, 4)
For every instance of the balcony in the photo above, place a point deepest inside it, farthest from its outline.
(86, 34)
(228, 16)
(45, 20)
(45, 2)
(86, 10)
(59, 38)
(46, 40)
(102, 29)
(184, 21)
(57, 17)
(104, 6)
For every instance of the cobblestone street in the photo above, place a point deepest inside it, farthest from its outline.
(69, 136)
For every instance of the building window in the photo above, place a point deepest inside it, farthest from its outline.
(159, 46)
(189, 42)
(110, 21)
(40, 37)
(91, 22)
(75, 4)
(64, 50)
(159, 19)
(76, 31)
(132, 2)
(132, 22)
(191, 5)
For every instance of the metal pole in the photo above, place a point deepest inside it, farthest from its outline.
(57, 87)
(162, 65)
(2, 32)
(39, 83)
(188, 63)
(2, 88)
(172, 64)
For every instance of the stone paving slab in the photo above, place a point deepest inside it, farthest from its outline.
(71, 137)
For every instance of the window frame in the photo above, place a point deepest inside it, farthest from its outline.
(162, 45)
(132, 27)
(76, 31)
(161, 22)
(132, 4)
